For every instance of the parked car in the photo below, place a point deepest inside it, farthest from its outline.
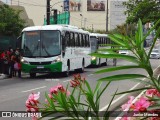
(124, 52)
(155, 54)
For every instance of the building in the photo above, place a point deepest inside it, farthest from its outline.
(91, 14)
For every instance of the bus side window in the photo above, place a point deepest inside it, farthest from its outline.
(76, 39)
(88, 41)
(80, 40)
(85, 40)
(67, 38)
(72, 40)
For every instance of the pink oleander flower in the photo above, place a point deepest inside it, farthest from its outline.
(34, 118)
(53, 90)
(125, 118)
(152, 92)
(128, 104)
(32, 102)
(142, 104)
(77, 81)
(59, 88)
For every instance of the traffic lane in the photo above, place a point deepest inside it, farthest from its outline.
(123, 86)
(20, 97)
(15, 91)
(9, 86)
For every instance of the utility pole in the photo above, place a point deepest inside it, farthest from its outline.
(48, 12)
(107, 17)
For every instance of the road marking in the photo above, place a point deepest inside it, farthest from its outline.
(90, 74)
(33, 89)
(116, 100)
(66, 80)
(51, 80)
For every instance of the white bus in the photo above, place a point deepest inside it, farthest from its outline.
(99, 41)
(54, 48)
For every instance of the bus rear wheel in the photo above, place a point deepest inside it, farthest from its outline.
(32, 75)
(81, 70)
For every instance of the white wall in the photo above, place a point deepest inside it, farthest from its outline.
(36, 10)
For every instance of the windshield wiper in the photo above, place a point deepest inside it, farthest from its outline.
(44, 48)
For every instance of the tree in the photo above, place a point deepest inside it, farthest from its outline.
(146, 10)
(10, 21)
(124, 29)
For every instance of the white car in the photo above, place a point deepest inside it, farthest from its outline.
(155, 54)
(124, 52)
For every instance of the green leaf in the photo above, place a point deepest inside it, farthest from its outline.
(90, 101)
(64, 101)
(73, 108)
(98, 85)
(117, 40)
(117, 68)
(89, 88)
(140, 34)
(73, 100)
(154, 107)
(122, 77)
(51, 102)
(106, 112)
(98, 97)
(135, 90)
(120, 56)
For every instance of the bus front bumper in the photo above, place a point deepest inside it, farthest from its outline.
(55, 67)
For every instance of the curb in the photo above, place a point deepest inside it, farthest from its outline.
(3, 76)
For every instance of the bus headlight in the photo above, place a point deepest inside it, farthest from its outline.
(56, 60)
(24, 61)
(93, 57)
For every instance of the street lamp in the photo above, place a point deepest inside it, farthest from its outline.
(81, 19)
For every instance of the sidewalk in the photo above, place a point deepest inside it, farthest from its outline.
(2, 76)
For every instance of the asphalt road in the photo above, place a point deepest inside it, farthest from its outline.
(15, 91)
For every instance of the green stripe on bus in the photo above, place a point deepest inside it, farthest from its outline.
(55, 67)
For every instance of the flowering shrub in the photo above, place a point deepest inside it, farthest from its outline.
(82, 102)
(145, 104)
(32, 102)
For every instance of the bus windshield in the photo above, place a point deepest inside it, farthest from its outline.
(44, 43)
(93, 44)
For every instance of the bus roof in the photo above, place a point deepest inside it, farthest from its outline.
(98, 35)
(55, 27)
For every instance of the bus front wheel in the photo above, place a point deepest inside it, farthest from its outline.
(32, 75)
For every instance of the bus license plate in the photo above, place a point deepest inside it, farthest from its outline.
(40, 67)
